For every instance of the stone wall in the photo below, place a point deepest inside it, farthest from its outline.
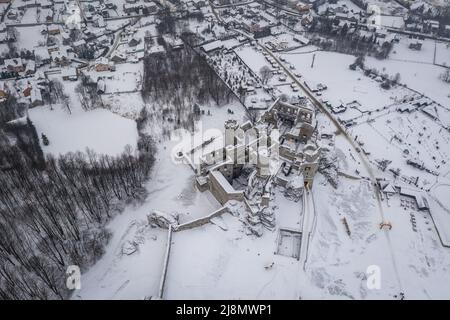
(201, 221)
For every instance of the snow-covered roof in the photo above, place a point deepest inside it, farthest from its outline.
(212, 46)
(35, 95)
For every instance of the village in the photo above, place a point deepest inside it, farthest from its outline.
(298, 143)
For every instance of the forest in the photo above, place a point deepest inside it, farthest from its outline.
(53, 210)
(179, 79)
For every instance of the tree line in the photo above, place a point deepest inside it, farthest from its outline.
(339, 39)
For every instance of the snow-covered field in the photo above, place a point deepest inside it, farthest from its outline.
(29, 38)
(99, 130)
(344, 85)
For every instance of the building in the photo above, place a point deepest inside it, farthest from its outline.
(101, 86)
(303, 7)
(102, 64)
(53, 29)
(14, 65)
(42, 56)
(69, 74)
(4, 91)
(118, 57)
(60, 58)
(36, 97)
(415, 45)
(212, 46)
(134, 41)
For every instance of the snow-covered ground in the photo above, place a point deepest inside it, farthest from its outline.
(136, 276)
(171, 189)
(99, 130)
(344, 85)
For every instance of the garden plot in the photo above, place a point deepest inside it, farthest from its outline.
(29, 38)
(396, 137)
(344, 85)
(402, 52)
(388, 21)
(31, 16)
(424, 78)
(126, 79)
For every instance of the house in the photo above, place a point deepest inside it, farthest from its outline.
(212, 46)
(27, 90)
(303, 7)
(69, 74)
(60, 58)
(199, 3)
(43, 29)
(53, 29)
(149, 8)
(134, 41)
(66, 38)
(118, 57)
(174, 43)
(89, 16)
(433, 25)
(102, 64)
(48, 14)
(155, 50)
(3, 37)
(41, 56)
(45, 4)
(30, 68)
(99, 21)
(39, 78)
(78, 45)
(4, 91)
(12, 14)
(14, 65)
(36, 97)
(301, 39)
(101, 86)
(415, 45)
(131, 8)
(447, 30)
